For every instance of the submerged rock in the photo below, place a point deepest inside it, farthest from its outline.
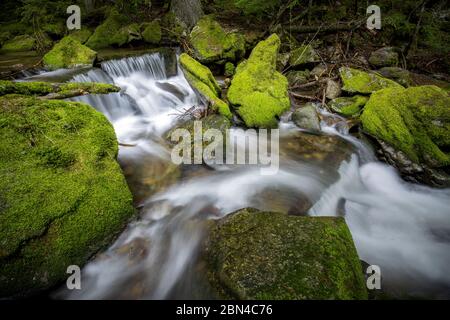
(415, 121)
(358, 81)
(202, 80)
(19, 44)
(69, 53)
(64, 192)
(211, 44)
(384, 57)
(303, 55)
(258, 90)
(348, 106)
(307, 117)
(265, 255)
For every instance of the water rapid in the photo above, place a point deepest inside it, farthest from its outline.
(403, 228)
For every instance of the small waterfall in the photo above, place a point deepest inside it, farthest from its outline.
(152, 65)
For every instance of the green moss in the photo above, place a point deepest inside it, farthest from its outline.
(19, 44)
(303, 55)
(172, 29)
(265, 255)
(69, 53)
(62, 89)
(151, 32)
(348, 106)
(230, 69)
(258, 91)
(81, 35)
(201, 79)
(212, 44)
(104, 35)
(126, 35)
(64, 191)
(414, 120)
(358, 81)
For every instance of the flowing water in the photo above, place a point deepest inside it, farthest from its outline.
(403, 228)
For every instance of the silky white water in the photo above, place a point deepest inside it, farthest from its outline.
(403, 228)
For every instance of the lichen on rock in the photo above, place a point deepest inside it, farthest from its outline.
(358, 81)
(258, 91)
(266, 255)
(69, 53)
(202, 80)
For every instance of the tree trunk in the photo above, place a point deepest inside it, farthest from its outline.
(188, 11)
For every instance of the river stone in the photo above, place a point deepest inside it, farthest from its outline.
(203, 81)
(333, 89)
(358, 81)
(303, 55)
(384, 57)
(69, 53)
(258, 91)
(399, 75)
(19, 44)
(415, 121)
(348, 106)
(65, 192)
(306, 117)
(264, 255)
(211, 44)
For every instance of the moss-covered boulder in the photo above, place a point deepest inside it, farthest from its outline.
(105, 34)
(348, 106)
(258, 91)
(399, 75)
(415, 121)
(229, 69)
(151, 32)
(127, 35)
(211, 44)
(303, 55)
(358, 81)
(384, 57)
(63, 195)
(81, 35)
(69, 53)
(172, 29)
(55, 90)
(19, 44)
(265, 255)
(203, 81)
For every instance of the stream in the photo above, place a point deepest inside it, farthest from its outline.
(401, 227)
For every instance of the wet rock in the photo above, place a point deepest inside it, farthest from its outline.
(384, 57)
(135, 251)
(258, 91)
(203, 81)
(358, 81)
(348, 106)
(69, 53)
(399, 75)
(307, 118)
(19, 44)
(333, 89)
(211, 44)
(66, 171)
(414, 121)
(265, 255)
(303, 55)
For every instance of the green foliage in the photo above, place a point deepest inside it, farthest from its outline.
(257, 7)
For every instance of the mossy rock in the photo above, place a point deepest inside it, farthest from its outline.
(303, 55)
(105, 35)
(19, 44)
(384, 57)
(229, 69)
(298, 77)
(258, 91)
(151, 32)
(81, 35)
(172, 30)
(265, 255)
(415, 121)
(358, 81)
(203, 81)
(63, 193)
(211, 44)
(127, 35)
(399, 75)
(69, 53)
(348, 106)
